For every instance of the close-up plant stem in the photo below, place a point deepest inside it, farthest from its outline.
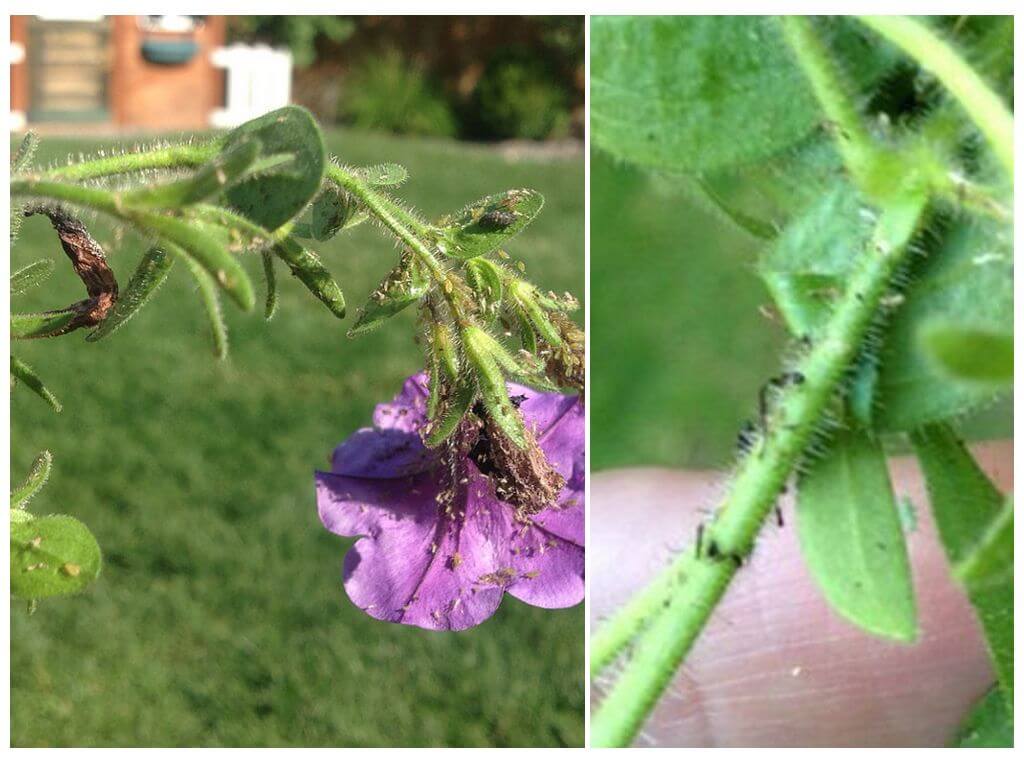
(665, 620)
(934, 54)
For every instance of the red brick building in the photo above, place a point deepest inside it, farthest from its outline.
(149, 72)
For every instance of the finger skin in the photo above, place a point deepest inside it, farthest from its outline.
(775, 666)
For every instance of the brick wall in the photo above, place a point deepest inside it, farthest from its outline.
(161, 96)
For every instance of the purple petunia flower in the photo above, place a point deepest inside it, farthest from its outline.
(443, 563)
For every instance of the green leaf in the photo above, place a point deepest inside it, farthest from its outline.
(527, 298)
(491, 383)
(967, 282)
(485, 279)
(29, 277)
(487, 224)
(383, 175)
(273, 197)
(966, 506)
(458, 404)
(52, 556)
(270, 277)
(990, 563)
(202, 241)
(804, 269)
(403, 287)
(22, 158)
(153, 269)
(207, 181)
(37, 325)
(211, 306)
(307, 268)
(696, 93)
(971, 355)
(333, 210)
(852, 539)
(37, 477)
(989, 723)
(25, 374)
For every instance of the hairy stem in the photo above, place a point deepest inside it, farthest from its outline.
(406, 228)
(678, 604)
(855, 143)
(982, 105)
(177, 156)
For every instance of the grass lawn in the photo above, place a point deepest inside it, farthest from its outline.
(679, 346)
(219, 618)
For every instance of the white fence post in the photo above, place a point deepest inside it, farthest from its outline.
(259, 79)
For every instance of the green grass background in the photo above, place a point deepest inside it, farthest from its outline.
(679, 347)
(219, 618)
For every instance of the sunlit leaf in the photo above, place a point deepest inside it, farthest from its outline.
(52, 556)
(275, 196)
(24, 374)
(404, 286)
(37, 477)
(29, 277)
(149, 275)
(487, 224)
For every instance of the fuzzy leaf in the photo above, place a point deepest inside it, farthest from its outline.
(273, 197)
(989, 723)
(403, 287)
(805, 267)
(696, 93)
(969, 355)
(37, 477)
(967, 282)
(852, 539)
(149, 275)
(211, 306)
(307, 268)
(203, 243)
(29, 277)
(25, 374)
(208, 181)
(487, 224)
(38, 325)
(333, 210)
(383, 175)
(22, 158)
(52, 556)
(491, 382)
(484, 278)
(966, 505)
(458, 404)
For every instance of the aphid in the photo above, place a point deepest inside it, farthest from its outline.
(746, 438)
(778, 516)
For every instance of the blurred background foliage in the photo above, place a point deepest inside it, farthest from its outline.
(682, 330)
(219, 618)
(483, 78)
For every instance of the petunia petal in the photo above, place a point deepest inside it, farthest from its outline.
(408, 411)
(381, 453)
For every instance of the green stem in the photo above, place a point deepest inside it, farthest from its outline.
(855, 143)
(178, 156)
(982, 105)
(406, 228)
(679, 603)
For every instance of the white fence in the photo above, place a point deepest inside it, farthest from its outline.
(259, 79)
